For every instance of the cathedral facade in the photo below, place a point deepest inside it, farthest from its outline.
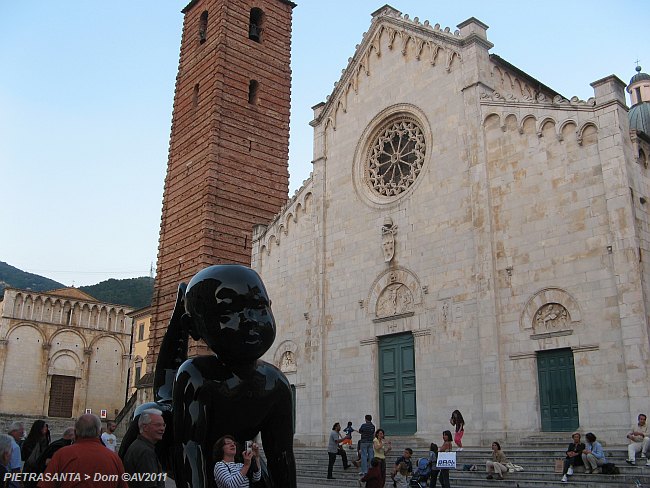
(62, 353)
(468, 239)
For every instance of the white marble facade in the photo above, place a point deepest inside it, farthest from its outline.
(456, 199)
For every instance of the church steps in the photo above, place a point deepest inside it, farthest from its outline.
(538, 464)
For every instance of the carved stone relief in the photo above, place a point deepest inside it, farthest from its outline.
(394, 292)
(551, 316)
(288, 362)
(396, 299)
(388, 232)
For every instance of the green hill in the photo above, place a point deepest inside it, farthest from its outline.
(17, 278)
(134, 292)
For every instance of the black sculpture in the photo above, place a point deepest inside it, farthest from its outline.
(231, 392)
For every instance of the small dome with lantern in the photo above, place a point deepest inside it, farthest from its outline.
(639, 90)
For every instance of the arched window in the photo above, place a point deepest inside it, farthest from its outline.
(203, 27)
(255, 25)
(252, 92)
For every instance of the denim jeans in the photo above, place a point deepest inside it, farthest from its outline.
(367, 453)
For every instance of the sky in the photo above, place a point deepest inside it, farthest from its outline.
(86, 91)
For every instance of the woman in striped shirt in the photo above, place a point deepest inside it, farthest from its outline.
(227, 472)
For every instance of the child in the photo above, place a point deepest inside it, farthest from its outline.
(433, 459)
(373, 477)
(458, 421)
(347, 441)
(400, 476)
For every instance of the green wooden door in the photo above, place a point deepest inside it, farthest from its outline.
(558, 399)
(397, 385)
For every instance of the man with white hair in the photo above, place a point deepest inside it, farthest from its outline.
(16, 432)
(86, 463)
(6, 448)
(141, 456)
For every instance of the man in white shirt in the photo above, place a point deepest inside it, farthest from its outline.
(639, 440)
(108, 438)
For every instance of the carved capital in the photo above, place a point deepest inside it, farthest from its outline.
(88, 351)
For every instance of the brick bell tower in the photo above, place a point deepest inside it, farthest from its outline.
(228, 153)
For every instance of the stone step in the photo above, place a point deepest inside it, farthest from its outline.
(538, 471)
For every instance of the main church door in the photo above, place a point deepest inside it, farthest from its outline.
(558, 398)
(61, 396)
(398, 415)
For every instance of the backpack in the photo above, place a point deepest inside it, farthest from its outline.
(609, 468)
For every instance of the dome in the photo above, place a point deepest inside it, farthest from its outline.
(639, 76)
(639, 116)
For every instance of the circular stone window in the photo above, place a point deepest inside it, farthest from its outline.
(392, 156)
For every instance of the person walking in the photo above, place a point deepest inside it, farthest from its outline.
(459, 423)
(334, 448)
(367, 431)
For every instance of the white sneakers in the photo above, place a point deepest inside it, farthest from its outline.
(564, 479)
(569, 471)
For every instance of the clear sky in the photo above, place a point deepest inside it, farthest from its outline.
(86, 91)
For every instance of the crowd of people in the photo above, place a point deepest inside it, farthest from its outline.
(83, 457)
(373, 446)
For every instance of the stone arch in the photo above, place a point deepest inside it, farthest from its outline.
(18, 305)
(567, 130)
(85, 315)
(93, 343)
(492, 121)
(23, 385)
(587, 134)
(286, 356)
(550, 296)
(528, 124)
(542, 126)
(28, 304)
(43, 339)
(65, 362)
(510, 122)
(37, 315)
(68, 330)
(394, 292)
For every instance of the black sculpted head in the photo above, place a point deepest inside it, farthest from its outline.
(228, 307)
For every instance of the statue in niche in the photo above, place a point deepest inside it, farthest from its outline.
(229, 392)
(551, 316)
(388, 232)
(288, 362)
(394, 300)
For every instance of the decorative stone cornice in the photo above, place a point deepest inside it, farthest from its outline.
(541, 99)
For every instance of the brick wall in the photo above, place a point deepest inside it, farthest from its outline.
(227, 168)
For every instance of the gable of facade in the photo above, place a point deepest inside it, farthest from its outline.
(464, 231)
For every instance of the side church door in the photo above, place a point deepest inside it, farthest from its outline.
(397, 407)
(558, 398)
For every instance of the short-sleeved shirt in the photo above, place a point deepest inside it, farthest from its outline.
(367, 432)
(109, 440)
(333, 444)
(348, 432)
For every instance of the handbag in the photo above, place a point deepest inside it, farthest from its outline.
(446, 460)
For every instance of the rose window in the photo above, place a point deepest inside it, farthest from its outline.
(395, 157)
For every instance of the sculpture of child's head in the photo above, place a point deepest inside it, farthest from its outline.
(227, 306)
